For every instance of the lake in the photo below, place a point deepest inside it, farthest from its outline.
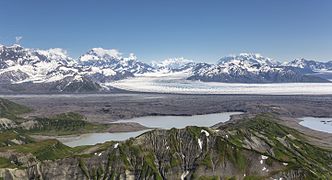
(162, 122)
(318, 124)
(168, 122)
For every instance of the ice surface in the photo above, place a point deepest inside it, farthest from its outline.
(176, 83)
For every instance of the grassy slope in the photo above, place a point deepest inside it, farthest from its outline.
(66, 124)
(283, 144)
(10, 138)
(61, 124)
(10, 110)
(45, 150)
(280, 143)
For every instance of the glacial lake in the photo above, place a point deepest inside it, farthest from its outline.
(162, 122)
(318, 124)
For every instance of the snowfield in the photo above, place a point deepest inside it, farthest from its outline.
(176, 83)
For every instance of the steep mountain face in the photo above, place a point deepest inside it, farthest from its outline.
(251, 68)
(251, 148)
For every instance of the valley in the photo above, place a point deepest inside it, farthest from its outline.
(177, 83)
(107, 116)
(53, 71)
(166, 90)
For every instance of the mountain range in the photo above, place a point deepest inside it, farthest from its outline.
(53, 71)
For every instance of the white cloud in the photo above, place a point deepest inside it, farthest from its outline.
(18, 39)
(172, 63)
(131, 56)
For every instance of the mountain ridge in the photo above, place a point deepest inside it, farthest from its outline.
(53, 67)
(255, 147)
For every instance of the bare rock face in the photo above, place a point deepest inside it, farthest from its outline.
(7, 124)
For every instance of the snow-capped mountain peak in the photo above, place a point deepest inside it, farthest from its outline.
(300, 63)
(247, 58)
(55, 68)
(131, 57)
(101, 57)
(173, 64)
(100, 54)
(18, 64)
(57, 55)
(113, 59)
(310, 64)
(15, 46)
(54, 53)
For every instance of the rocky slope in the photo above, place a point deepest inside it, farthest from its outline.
(252, 148)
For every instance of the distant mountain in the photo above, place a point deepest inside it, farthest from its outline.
(310, 65)
(248, 59)
(104, 65)
(19, 64)
(251, 68)
(52, 70)
(55, 70)
(112, 59)
(174, 64)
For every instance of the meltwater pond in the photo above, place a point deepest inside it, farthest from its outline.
(163, 122)
(318, 124)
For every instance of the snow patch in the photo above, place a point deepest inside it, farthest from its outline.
(172, 63)
(131, 57)
(184, 174)
(200, 143)
(55, 53)
(264, 157)
(205, 132)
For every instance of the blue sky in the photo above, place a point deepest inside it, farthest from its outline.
(202, 30)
